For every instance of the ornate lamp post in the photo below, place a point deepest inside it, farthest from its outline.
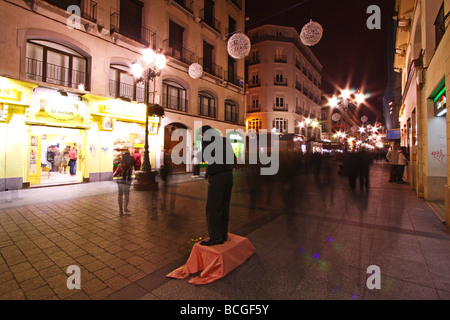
(145, 71)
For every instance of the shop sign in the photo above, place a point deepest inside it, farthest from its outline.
(126, 110)
(10, 94)
(61, 111)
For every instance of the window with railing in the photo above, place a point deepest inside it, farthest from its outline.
(207, 105)
(279, 125)
(174, 96)
(57, 64)
(231, 111)
(280, 80)
(88, 7)
(208, 17)
(123, 85)
(128, 22)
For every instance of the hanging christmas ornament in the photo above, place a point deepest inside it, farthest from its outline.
(336, 117)
(195, 70)
(364, 119)
(238, 46)
(311, 33)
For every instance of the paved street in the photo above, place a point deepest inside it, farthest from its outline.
(312, 240)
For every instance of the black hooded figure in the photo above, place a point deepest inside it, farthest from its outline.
(220, 157)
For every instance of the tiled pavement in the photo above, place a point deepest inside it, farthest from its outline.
(315, 245)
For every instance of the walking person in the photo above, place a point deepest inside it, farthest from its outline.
(57, 160)
(392, 156)
(364, 169)
(73, 161)
(137, 160)
(124, 184)
(219, 174)
(196, 164)
(65, 161)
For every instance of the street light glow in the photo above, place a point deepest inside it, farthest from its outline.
(333, 102)
(360, 98)
(345, 94)
(160, 61)
(137, 70)
(148, 55)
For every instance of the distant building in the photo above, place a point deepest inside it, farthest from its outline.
(283, 83)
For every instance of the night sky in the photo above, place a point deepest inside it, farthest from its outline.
(352, 56)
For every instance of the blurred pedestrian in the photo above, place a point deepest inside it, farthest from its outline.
(57, 160)
(392, 156)
(316, 160)
(65, 161)
(351, 168)
(165, 175)
(127, 166)
(402, 162)
(137, 160)
(365, 161)
(73, 161)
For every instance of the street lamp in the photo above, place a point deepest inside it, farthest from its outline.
(145, 71)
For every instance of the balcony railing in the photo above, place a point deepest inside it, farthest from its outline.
(125, 90)
(254, 83)
(133, 30)
(251, 109)
(254, 60)
(174, 103)
(234, 79)
(283, 107)
(211, 68)
(88, 7)
(280, 82)
(181, 54)
(280, 58)
(298, 86)
(55, 74)
(186, 4)
(206, 110)
(210, 20)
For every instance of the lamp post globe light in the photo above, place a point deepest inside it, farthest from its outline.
(146, 70)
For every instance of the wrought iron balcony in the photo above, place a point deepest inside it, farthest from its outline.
(131, 29)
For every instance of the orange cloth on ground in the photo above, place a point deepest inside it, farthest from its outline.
(215, 261)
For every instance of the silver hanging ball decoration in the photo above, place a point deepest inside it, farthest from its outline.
(311, 33)
(238, 46)
(195, 70)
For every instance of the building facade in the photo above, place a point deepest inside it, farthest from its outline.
(66, 81)
(284, 83)
(423, 55)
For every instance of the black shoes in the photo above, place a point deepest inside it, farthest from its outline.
(212, 242)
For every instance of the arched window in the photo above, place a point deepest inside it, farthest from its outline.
(207, 105)
(54, 63)
(254, 124)
(231, 111)
(174, 96)
(122, 84)
(280, 125)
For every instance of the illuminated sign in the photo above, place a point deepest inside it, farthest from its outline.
(10, 94)
(61, 111)
(125, 109)
(440, 103)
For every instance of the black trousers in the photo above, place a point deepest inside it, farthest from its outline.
(220, 186)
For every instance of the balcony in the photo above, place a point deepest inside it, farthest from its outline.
(125, 90)
(253, 61)
(187, 5)
(56, 74)
(232, 78)
(88, 7)
(254, 83)
(210, 21)
(281, 58)
(132, 30)
(298, 110)
(283, 108)
(211, 68)
(179, 53)
(280, 81)
(298, 86)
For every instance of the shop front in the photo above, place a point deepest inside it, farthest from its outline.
(15, 100)
(57, 124)
(117, 126)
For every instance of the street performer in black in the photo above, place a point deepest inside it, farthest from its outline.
(217, 151)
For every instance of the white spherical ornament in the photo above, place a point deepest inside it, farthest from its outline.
(195, 70)
(311, 33)
(364, 119)
(336, 117)
(238, 46)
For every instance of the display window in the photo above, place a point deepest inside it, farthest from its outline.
(127, 136)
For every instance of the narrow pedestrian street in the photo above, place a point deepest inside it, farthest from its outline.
(313, 240)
